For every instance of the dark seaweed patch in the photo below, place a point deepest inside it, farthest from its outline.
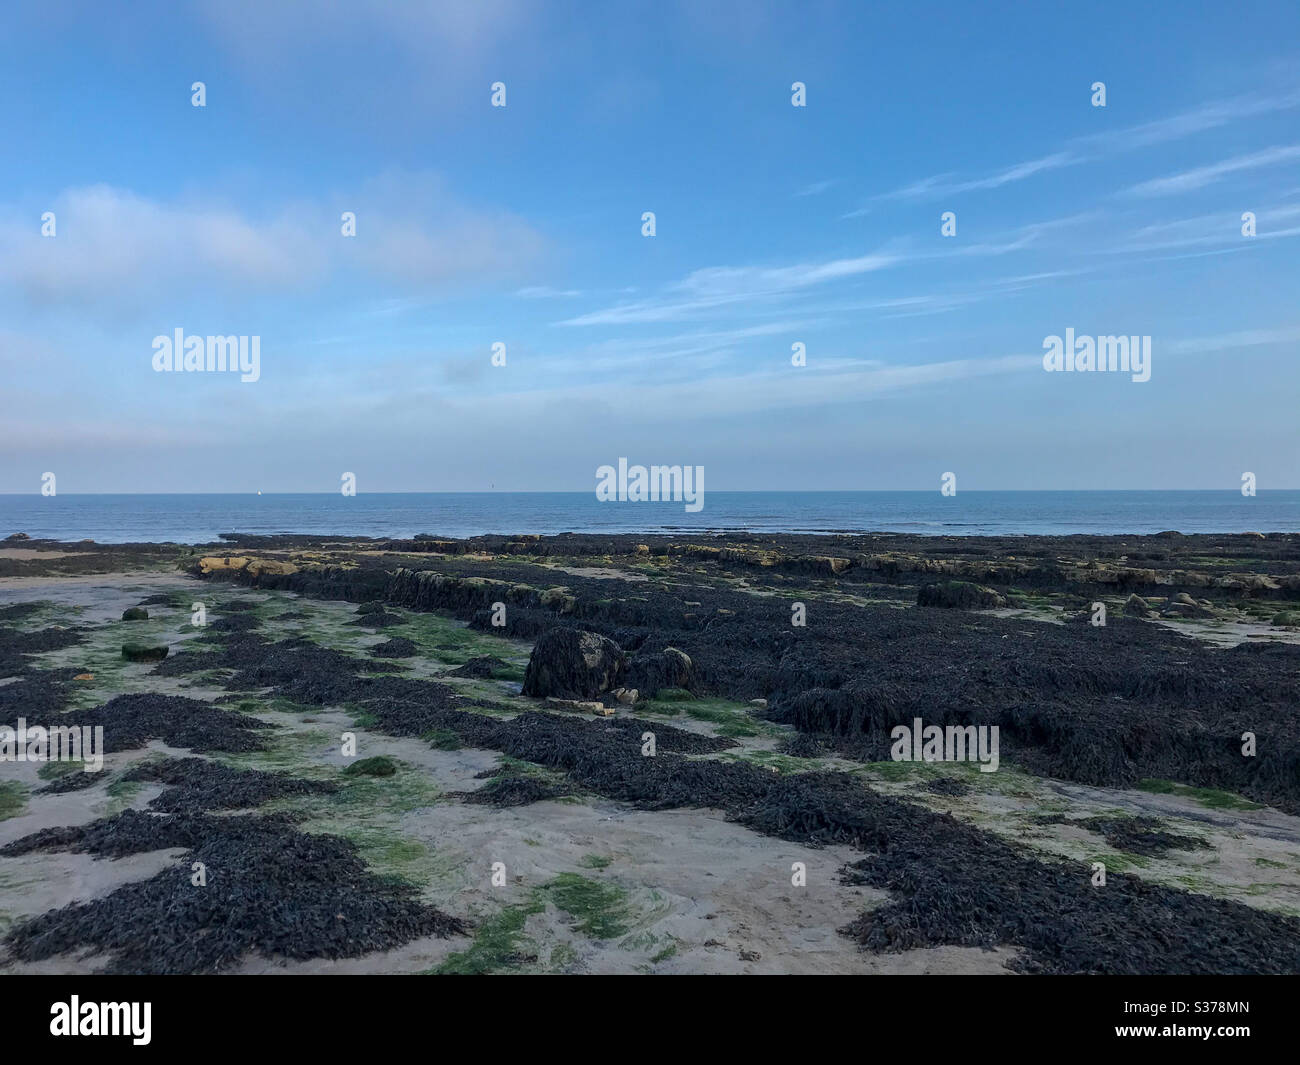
(482, 667)
(235, 623)
(378, 620)
(1132, 835)
(172, 599)
(195, 785)
(514, 789)
(270, 890)
(131, 721)
(38, 696)
(18, 611)
(130, 832)
(78, 780)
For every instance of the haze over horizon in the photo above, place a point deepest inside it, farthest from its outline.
(521, 224)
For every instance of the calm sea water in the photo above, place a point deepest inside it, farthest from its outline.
(200, 518)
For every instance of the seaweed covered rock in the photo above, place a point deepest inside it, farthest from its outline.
(135, 613)
(959, 595)
(669, 668)
(378, 766)
(573, 664)
(484, 667)
(397, 647)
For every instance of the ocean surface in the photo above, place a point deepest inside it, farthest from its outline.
(201, 518)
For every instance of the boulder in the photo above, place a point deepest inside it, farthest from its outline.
(573, 664)
(669, 668)
(959, 595)
(255, 567)
(1136, 607)
(1176, 608)
(135, 613)
(559, 600)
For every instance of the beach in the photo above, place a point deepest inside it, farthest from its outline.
(656, 753)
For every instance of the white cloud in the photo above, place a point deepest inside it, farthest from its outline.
(114, 248)
(1185, 124)
(1246, 338)
(715, 287)
(111, 243)
(841, 381)
(815, 189)
(1206, 175)
(1221, 228)
(546, 292)
(940, 185)
(1197, 120)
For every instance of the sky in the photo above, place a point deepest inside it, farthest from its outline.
(522, 225)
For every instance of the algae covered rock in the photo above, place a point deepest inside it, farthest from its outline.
(573, 664)
(959, 595)
(1136, 607)
(378, 766)
(653, 672)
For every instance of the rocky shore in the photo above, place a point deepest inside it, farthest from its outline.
(729, 701)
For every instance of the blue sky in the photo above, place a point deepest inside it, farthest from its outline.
(522, 225)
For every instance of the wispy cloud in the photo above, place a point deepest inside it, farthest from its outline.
(1188, 123)
(689, 353)
(1206, 175)
(723, 286)
(546, 292)
(1246, 338)
(829, 383)
(1223, 227)
(762, 288)
(1083, 149)
(815, 189)
(942, 184)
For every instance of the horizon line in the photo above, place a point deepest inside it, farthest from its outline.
(715, 491)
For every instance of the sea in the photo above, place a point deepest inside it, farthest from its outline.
(197, 518)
